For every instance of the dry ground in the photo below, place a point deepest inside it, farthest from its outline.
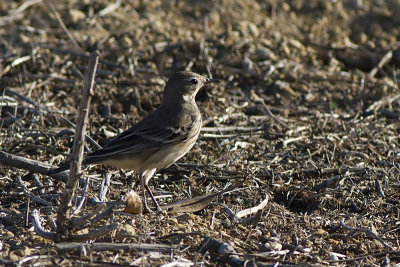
(328, 154)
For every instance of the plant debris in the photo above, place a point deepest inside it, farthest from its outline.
(297, 162)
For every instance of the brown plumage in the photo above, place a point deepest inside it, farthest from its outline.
(161, 138)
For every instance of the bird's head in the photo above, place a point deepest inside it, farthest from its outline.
(184, 85)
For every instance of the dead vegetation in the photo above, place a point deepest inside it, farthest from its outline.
(305, 126)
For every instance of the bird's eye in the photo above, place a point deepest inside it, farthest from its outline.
(193, 81)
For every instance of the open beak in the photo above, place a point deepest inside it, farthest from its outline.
(211, 81)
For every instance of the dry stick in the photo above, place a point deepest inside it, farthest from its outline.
(238, 217)
(26, 214)
(78, 222)
(116, 247)
(361, 257)
(26, 99)
(77, 150)
(365, 230)
(105, 184)
(333, 171)
(83, 197)
(105, 213)
(232, 129)
(30, 195)
(226, 136)
(253, 210)
(90, 139)
(94, 234)
(38, 226)
(29, 164)
(379, 189)
(327, 182)
(13, 64)
(8, 122)
(109, 8)
(65, 29)
(269, 112)
(386, 58)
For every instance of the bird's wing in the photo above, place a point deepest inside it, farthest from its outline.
(141, 139)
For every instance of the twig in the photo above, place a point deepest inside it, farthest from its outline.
(25, 5)
(30, 195)
(104, 188)
(88, 138)
(232, 129)
(269, 112)
(8, 122)
(36, 180)
(27, 211)
(379, 188)
(195, 203)
(221, 177)
(361, 257)
(238, 217)
(29, 164)
(386, 58)
(225, 136)
(13, 64)
(253, 210)
(295, 139)
(83, 197)
(116, 247)
(109, 8)
(94, 234)
(109, 210)
(38, 226)
(78, 222)
(389, 113)
(364, 230)
(65, 29)
(77, 151)
(327, 182)
(20, 96)
(382, 101)
(332, 171)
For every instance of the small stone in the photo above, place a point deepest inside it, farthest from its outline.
(125, 231)
(263, 53)
(185, 217)
(76, 15)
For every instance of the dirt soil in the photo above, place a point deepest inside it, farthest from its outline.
(305, 120)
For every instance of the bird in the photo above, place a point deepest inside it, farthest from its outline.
(161, 138)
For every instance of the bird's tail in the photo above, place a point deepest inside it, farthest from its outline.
(86, 161)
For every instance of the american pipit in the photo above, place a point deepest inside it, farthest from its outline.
(161, 138)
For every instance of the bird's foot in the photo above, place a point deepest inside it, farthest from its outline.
(146, 207)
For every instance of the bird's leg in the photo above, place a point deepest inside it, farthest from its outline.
(152, 197)
(145, 178)
(145, 206)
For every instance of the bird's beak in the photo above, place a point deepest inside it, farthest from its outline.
(211, 81)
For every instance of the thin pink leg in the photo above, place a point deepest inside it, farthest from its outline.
(152, 197)
(145, 206)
